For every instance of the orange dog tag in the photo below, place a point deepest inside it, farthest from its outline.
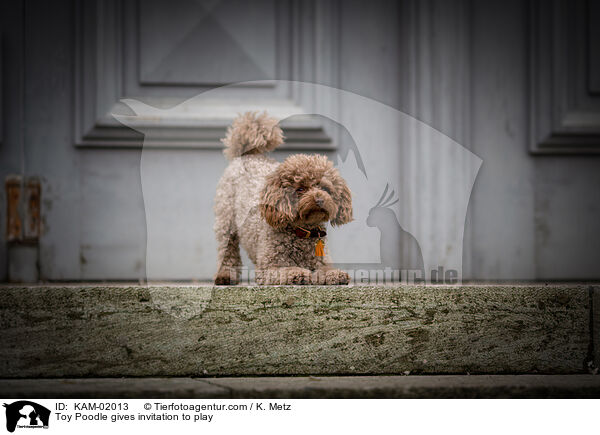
(320, 248)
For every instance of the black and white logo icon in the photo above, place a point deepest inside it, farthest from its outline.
(27, 415)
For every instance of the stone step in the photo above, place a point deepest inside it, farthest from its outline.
(113, 331)
(313, 387)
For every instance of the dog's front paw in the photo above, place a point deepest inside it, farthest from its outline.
(330, 277)
(336, 277)
(222, 280)
(226, 276)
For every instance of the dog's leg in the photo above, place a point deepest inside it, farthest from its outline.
(228, 255)
(229, 261)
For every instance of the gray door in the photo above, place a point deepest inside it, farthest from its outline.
(449, 104)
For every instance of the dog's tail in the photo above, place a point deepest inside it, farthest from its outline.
(252, 133)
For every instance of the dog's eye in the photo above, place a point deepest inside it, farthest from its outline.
(326, 189)
(300, 189)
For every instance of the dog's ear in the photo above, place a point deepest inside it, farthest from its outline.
(277, 202)
(344, 202)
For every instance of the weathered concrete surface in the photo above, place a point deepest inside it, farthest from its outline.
(443, 386)
(75, 331)
(595, 320)
(105, 388)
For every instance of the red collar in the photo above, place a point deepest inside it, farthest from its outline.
(309, 234)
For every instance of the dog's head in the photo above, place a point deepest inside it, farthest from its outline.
(306, 190)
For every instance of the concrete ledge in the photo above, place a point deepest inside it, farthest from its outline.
(112, 331)
(595, 321)
(364, 387)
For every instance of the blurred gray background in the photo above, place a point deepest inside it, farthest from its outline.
(515, 82)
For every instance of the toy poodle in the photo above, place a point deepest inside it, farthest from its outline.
(276, 211)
